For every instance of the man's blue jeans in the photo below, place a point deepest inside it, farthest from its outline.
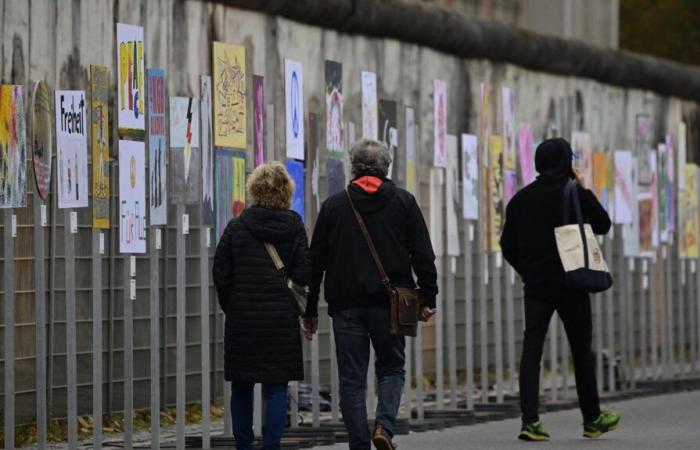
(354, 329)
(242, 415)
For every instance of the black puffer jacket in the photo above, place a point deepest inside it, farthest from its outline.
(262, 341)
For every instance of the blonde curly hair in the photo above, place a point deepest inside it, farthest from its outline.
(270, 186)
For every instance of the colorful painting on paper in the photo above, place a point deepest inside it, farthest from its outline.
(294, 103)
(610, 178)
(13, 147)
(526, 152)
(229, 186)
(691, 228)
(229, 95)
(71, 145)
(132, 197)
(369, 105)
(630, 231)
(157, 173)
(643, 147)
(389, 130)
(410, 150)
(439, 123)
(470, 177)
(207, 153)
(663, 157)
(130, 86)
(99, 127)
(334, 107)
(654, 190)
(600, 180)
(296, 172)
(646, 246)
(42, 138)
(259, 119)
(583, 150)
(682, 139)
(509, 151)
(485, 124)
(624, 187)
(670, 183)
(452, 195)
(496, 206)
(185, 159)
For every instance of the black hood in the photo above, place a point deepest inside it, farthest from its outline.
(553, 159)
(367, 202)
(269, 225)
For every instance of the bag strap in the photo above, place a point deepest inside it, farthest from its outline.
(372, 249)
(276, 260)
(571, 192)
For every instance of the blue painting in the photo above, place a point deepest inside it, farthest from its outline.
(296, 171)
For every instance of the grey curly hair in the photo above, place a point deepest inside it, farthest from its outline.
(369, 157)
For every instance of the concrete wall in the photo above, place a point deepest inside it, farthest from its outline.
(58, 40)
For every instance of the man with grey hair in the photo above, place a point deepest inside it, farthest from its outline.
(357, 300)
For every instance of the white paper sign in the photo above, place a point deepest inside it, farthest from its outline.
(73, 222)
(452, 173)
(132, 289)
(207, 233)
(439, 123)
(44, 216)
(132, 197)
(369, 105)
(471, 232)
(159, 239)
(470, 177)
(71, 149)
(185, 224)
(132, 265)
(102, 243)
(14, 225)
(499, 260)
(294, 100)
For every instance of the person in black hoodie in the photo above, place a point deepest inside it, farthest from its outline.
(529, 245)
(262, 341)
(357, 300)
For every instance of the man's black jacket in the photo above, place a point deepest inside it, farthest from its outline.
(339, 249)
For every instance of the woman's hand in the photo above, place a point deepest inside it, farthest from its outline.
(579, 178)
(426, 313)
(309, 325)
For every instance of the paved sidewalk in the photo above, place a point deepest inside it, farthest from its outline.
(661, 422)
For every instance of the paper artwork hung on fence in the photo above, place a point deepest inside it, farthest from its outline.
(470, 177)
(452, 195)
(509, 148)
(526, 152)
(682, 130)
(334, 107)
(42, 138)
(312, 171)
(229, 186)
(388, 131)
(439, 123)
(410, 121)
(294, 102)
(130, 85)
(157, 174)
(369, 105)
(496, 205)
(600, 181)
(664, 226)
(13, 147)
(229, 91)
(630, 231)
(645, 224)
(643, 147)
(485, 124)
(259, 119)
(296, 172)
(99, 128)
(668, 186)
(132, 197)
(583, 150)
(71, 149)
(207, 152)
(624, 188)
(690, 248)
(185, 159)
(654, 190)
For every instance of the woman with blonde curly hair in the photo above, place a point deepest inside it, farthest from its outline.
(262, 342)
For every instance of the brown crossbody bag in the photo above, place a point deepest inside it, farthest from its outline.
(404, 302)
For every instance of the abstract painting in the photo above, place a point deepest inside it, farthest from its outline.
(132, 197)
(682, 136)
(583, 155)
(470, 177)
(185, 160)
(485, 124)
(643, 147)
(207, 152)
(99, 127)
(689, 243)
(509, 151)
(624, 188)
(259, 119)
(229, 186)
(229, 80)
(334, 107)
(294, 102)
(600, 180)
(496, 206)
(157, 173)
(526, 150)
(42, 138)
(645, 224)
(13, 147)
(296, 172)
(369, 105)
(654, 190)
(71, 145)
(389, 130)
(130, 86)
(439, 123)
(410, 150)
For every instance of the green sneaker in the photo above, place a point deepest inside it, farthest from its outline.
(533, 432)
(606, 421)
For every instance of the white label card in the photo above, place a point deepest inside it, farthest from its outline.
(73, 222)
(499, 260)
(453, 264)
(645, 282)
(692, 266)
(44, 216)
(102, 243)
(185, 224)
(471, 233)
(644, 265)
(663, 252)
(207, 232)
(132, 265)
(132, 289)
(631, 260)
(486, 275)
(14, 225)
(159, 239)
(512, 276)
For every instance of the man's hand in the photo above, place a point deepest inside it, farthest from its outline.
(579, 178)
(426, 313)
(309, 325)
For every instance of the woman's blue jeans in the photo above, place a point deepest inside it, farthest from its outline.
(242, 414)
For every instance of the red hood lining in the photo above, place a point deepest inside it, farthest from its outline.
(368, 184)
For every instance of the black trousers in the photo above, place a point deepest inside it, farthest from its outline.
(574, 309)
